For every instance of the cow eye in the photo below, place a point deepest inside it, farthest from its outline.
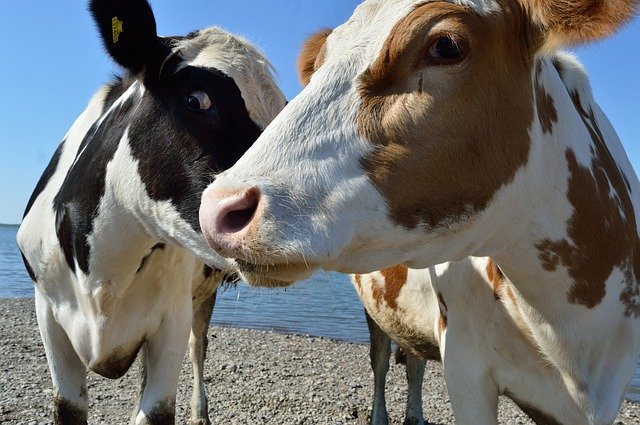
(445, 50)
(198, 101)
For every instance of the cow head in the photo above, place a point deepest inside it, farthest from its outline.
(405, 145)
(137, 161)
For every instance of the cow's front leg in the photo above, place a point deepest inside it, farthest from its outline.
(380, 351)
(202, 310)
(68, 373)
(164, 353)
(415, 374)
(472, 391)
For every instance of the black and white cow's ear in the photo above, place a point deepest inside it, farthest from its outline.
(128, 31)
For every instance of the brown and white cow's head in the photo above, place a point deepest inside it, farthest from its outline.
(420, 136)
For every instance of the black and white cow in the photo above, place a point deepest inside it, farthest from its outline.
(111, 236)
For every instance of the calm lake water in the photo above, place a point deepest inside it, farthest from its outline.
(324, 305)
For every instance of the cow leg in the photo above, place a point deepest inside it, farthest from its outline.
(142, 377)
(415, 374)
(380, 351)
(472, 391)
(198, 343)
(164, 353)
(68, 373)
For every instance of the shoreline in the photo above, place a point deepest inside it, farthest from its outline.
(252, 376)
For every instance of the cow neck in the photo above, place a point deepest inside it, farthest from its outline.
(576, 243)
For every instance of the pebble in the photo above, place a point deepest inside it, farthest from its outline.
(252, 377)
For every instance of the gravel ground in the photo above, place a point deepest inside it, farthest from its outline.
(252, 377)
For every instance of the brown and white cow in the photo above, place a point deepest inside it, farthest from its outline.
(111, 236)
(432, 131)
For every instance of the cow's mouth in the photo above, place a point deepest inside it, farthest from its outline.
(274, 275)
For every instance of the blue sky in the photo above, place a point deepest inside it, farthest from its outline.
(52, 62)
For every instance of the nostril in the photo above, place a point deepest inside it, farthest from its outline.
(238, 212)
(236, 221)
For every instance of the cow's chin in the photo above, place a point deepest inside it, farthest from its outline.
(278, 275)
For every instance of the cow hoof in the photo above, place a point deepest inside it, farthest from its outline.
(201, 421)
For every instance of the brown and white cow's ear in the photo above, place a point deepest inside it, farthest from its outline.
(311, 55)
(566, 22)
(128, 32)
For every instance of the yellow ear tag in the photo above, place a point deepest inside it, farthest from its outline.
(116, 28)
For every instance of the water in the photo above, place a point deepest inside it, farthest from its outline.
(14, 280)
(324, 305)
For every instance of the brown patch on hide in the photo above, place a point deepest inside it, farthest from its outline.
(311, 55)
(442, 317)
(557, 63)
(447, 138)
(547, 113)
(495, 277)
(602, 233)
(358, 281)
(442, 322)
(394, 279)
(377, 292)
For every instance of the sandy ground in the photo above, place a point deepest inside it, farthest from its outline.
(253, 377)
